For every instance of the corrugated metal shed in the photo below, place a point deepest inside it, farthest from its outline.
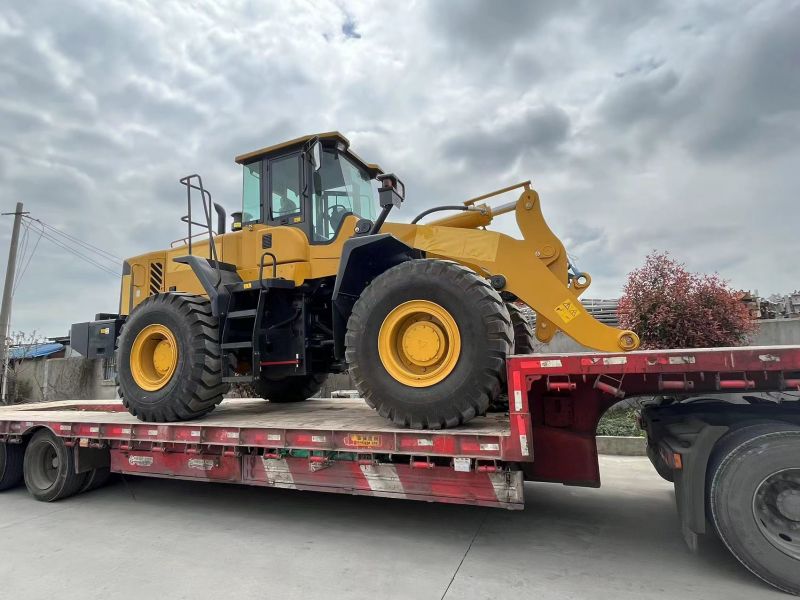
(34, 351)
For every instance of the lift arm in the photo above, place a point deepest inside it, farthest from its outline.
(535, 268)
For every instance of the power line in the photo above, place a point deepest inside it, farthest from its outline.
(23, 245)
(28, 260)
(78, 254)
(84, 251)
(86, 245)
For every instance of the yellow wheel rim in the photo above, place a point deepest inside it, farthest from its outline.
(419, 343)
(154, 357)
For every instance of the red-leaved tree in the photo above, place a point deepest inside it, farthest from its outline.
(669, 307)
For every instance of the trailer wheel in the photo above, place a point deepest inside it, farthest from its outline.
(11, 461)
(426, 344)
(290, 389)
(168, 359)
(49, 468)
(754, 500)
(524, 338)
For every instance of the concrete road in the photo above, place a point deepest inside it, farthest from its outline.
(147, 538)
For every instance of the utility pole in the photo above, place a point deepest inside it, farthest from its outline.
(5, 308)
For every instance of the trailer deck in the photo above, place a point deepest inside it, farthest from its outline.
(338, 445)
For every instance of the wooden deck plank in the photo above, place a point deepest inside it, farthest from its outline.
(329, 414)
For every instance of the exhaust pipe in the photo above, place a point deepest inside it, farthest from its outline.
(220, 218)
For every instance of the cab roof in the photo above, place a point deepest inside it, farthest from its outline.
(329, 137)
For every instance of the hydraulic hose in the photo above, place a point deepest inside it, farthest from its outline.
(425, 213)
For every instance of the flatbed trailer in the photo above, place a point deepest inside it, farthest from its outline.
(715, 418)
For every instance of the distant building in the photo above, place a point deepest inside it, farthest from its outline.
(53, 371)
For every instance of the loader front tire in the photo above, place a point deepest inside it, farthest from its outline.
(169, 366)
(426, 344)
(290, 389)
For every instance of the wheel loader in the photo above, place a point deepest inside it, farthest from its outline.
(312, 279)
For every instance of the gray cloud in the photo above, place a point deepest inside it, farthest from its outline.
(642, 124)
(539, 130)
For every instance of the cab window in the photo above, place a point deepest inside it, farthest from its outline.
(251, 193)
(285, 205)
(340, 187)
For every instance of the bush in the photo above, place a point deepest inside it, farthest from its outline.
(669, 307)
(620, 422)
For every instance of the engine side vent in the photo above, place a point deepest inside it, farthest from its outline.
(156, 277)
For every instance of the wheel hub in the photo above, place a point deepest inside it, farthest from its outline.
(419, 343)
(788, 503)
(154, 357)
(162, 357)
(423, 342)
(776, 507)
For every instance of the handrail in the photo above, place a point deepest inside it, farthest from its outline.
(261, 266)
(471, 201)
(205, 197)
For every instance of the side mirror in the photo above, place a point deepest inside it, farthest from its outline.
(392, 191)
(316, 155)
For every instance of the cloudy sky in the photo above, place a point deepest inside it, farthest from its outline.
(644, 125)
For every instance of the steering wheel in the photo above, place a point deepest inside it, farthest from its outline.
(335, 214)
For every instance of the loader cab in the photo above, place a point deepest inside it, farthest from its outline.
(311, 183)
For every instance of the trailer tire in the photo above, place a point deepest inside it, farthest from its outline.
(753, 497)
(194, 386)
(524, 337)
(49, 468)
(11, 461)
(290, 389)
(474, 333)
(95, 479)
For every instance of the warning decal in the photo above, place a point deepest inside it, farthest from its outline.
(567, 310)
(358, 440)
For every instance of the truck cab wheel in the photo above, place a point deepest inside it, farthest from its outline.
(168, 359)
(426, 344)
(49, 468)
(754, 500)
(11, 460)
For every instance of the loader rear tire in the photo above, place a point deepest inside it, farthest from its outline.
(474, 336)
(524, 338)
(182, 380)
(290, 389)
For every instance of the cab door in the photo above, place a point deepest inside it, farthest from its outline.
(284, 193)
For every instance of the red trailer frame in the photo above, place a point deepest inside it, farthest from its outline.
(555, 402)
(336, 445)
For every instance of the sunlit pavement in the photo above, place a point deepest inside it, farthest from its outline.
(149, 538)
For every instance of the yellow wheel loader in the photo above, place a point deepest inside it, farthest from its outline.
(313, 280)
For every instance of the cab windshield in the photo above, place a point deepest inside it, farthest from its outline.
(340, 187)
